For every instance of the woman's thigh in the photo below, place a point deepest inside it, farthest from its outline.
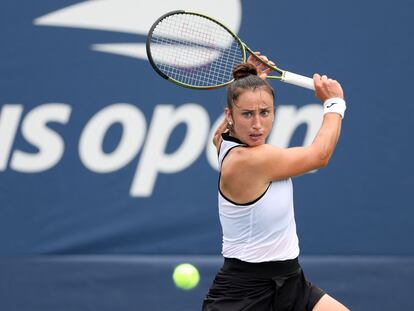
(327, 303)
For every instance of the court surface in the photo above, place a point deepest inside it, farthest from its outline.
(126, 283)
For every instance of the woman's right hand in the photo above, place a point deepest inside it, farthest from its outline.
(326, 88)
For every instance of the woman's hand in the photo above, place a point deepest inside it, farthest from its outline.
(326, 88)
(217, 134)
(262, 69)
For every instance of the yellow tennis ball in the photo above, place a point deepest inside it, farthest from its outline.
(186, 276)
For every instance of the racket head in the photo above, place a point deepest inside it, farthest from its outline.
(194, 50)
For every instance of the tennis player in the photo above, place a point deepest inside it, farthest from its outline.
(261, 270)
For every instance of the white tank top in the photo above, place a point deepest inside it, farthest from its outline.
(262, 230)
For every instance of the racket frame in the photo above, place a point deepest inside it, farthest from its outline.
(285, 76)
(162, 74)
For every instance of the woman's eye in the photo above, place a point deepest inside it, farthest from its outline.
(247, 114)
(265, 113)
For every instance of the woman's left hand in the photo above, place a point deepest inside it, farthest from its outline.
(262, 70)
(217, 134)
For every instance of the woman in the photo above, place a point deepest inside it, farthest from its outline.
(260, 244)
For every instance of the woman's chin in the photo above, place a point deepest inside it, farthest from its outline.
(253, 142)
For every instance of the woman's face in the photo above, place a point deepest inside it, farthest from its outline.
(252, 117)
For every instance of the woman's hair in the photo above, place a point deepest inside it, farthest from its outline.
(246, 78)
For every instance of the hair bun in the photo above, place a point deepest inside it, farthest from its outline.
(243, 70)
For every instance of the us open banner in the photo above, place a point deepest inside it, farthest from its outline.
(99, 155)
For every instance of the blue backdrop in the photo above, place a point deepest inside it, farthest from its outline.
(99, 155)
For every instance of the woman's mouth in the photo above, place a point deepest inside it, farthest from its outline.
(255, 136)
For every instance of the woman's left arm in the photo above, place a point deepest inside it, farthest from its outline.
(262, 70)
(217, 134)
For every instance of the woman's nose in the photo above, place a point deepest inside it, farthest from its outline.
(257, 123)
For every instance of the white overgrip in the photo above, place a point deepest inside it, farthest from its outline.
(295, 79)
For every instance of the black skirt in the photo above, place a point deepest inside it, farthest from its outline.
(277, 286)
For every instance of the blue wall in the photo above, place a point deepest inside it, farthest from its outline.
(88, 165)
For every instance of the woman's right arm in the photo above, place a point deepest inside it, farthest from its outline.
(278, 163)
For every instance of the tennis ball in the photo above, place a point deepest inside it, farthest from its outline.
(186, 276)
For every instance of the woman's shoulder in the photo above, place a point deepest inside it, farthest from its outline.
(247, 164)
(261, 150)
(252, 156)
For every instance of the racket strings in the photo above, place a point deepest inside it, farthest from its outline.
(195, 50)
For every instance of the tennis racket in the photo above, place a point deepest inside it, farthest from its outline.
(198, 52)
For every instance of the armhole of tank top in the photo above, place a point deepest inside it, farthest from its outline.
(243, 204)
(231, 201)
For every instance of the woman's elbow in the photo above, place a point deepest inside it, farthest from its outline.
(323, 159)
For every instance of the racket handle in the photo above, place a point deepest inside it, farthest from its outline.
(298, 80)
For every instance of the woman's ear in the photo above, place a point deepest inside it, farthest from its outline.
(227, 115)
(229, 119)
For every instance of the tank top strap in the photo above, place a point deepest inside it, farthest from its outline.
(227, 144)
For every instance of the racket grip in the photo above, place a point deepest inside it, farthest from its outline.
(298, 80)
